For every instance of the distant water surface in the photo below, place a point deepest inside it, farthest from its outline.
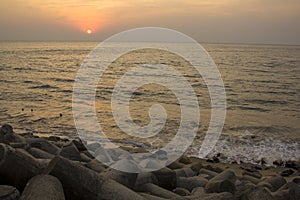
(261, 81)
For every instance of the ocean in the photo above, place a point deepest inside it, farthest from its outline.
(261, 82)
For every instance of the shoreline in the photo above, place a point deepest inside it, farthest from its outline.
(75, 174)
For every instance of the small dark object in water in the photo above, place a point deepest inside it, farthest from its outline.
(31, 110)
(60, 114)
(22, 109)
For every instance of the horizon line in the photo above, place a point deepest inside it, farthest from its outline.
(200, 42)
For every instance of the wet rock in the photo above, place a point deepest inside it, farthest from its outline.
(223, 182)
(151, 164)
(191, 182)
(212, 196)
(181, 191)
(195, 166)
(8, 136)
(9, 193)
(43, 144)
(95, 165)
(250, 178)
(289, 191)
(296, 180)
(287, 172)
(160, 155)
(273, 183)
(184, 172)
(257, 193)
(93, 146)
(198, 191)
(292, 165)
(158, 191)
(175, 165)
(17, 166)
(166, 178)
(79, 145)
(145, 177)
(43, 187)
(253, 174)
(208, 174)
(126, 165)
(80, 182)
(102, 155)
(71, 152)
(54, 138)
(185, 160)
(127, 179)
(150, 197)
(38, 153)
(242, 187)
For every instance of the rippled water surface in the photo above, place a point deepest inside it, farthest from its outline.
(262, 87)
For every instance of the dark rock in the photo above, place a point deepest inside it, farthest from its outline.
(208, 174)
(6, 129)
(95, 165)
(290, 190)
(293, 165)
(273, 183)
(79, 145)
(150, 197)
(38, 153)
(278, 163)
(253, 174)
(184, 172)
(43, 144)
(43, 187)
(223, 182)
(9, 193)
(198, 191)
(250, 178)
(243, 187)
(166, 178)
(80, 182)
(185, 160)
(181, 191)
(71, 152)
(93, 146)
(8, 136)
(257, 193)
(145, 177)
(127, 179)
(158, 191)
(17, 166)
(175, 165)
(54, 138)
(191, 182)
(296, 180)
(287, 172)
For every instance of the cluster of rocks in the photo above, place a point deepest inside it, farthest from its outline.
(55, 169)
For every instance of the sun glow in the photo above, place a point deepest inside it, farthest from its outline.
(89, 31)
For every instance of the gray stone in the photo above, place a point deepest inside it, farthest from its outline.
(223, 182)
(273, 183)
(158, 191)
(191, 182)
(166, 178)
(43, 187)
(9, 193)
(181, 191)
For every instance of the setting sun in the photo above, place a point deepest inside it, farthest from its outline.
(89, 31)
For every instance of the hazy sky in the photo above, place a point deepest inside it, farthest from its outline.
(238, 21)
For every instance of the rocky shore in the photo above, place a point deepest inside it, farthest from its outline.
(52, 168)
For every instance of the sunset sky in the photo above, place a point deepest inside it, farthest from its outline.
(229, 21)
